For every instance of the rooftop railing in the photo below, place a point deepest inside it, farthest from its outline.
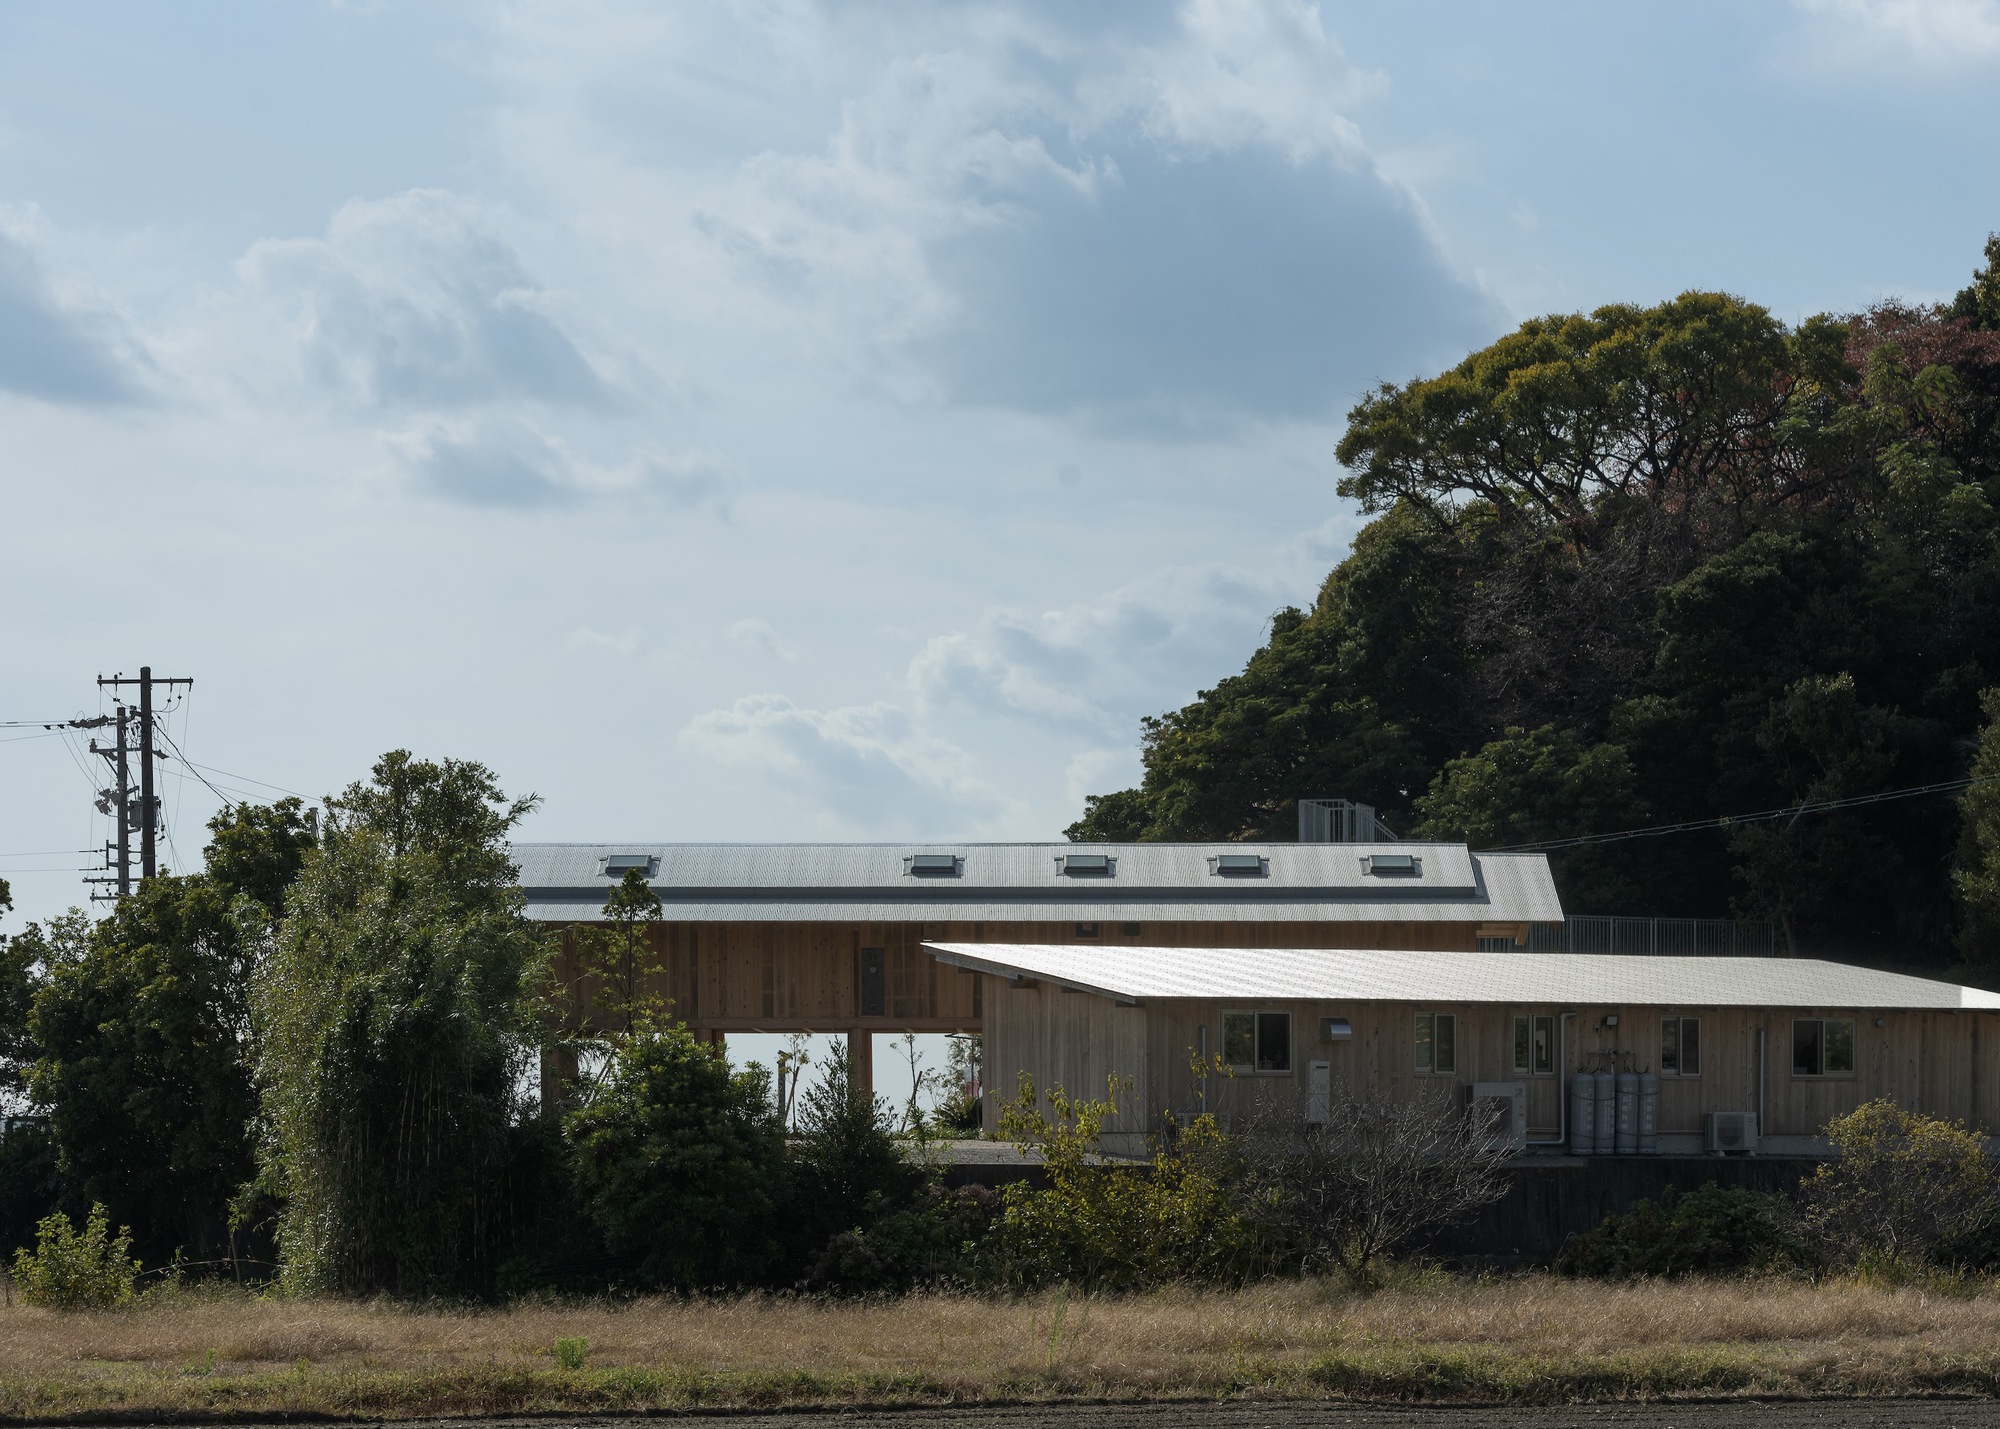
(1665, 937)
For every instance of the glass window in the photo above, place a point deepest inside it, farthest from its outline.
(1239, 1039)
(1535, 1045)
(1839, 1046)
(1426, 1025)
(1086, 930)
(1524, 1036)
(1446, 1054)
(1274, 1041)
(1680, 1046)
(1823, 1047)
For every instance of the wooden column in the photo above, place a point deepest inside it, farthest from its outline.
(861, 1057)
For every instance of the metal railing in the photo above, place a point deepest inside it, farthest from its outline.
(1667, 937)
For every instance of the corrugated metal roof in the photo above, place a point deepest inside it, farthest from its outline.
(1026, 883)
(1546, 979)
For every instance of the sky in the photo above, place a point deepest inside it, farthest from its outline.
(800, 419)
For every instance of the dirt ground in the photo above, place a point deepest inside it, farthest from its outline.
(1782, 1414)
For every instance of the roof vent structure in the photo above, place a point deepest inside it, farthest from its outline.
(1391, 865)
(1238, 865)
(617, 865)
(932, 865)
(1340, 821)
(1086, 865)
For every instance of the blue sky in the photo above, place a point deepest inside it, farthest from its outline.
(822, 420)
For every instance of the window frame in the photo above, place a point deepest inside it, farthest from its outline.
(1428, 1042)
(1824, 1045)
(1253, 1067)
(1680, 1025)
(1526, 1025)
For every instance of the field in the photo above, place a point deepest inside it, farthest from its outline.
(1437, 1339)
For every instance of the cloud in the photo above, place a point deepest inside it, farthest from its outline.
(859, 768)
(1930, 34)
(54, 347)
(760, 635)
(1096, 667)
(509, 462)
(1157, 219)
(418, 301)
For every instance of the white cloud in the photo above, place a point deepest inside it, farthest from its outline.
(492, 461)
(858, 768)
(1930, 34)
(58, 345)
(761, 635)
(1096, 667)
(417, 300)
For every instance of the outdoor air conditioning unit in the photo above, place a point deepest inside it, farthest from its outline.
(1504, 1107)
(1732, 1131)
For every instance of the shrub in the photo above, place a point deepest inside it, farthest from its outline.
(1903, 1188)
(1714, 1230)
(1117, 1227)
(67, 1271)
(681, 1163)
(936, 1241)
(851, 1172)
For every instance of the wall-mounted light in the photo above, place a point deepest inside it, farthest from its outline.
(1610, 1021)
(1335, 1029)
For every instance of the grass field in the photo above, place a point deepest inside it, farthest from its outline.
(1529, 1339)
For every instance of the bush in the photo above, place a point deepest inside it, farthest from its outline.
(1118, 1227)
(937, 1241)
(1714, 1230)
(67, 1271)
(682, 1164)
(1902, 1189)
(851, 1173)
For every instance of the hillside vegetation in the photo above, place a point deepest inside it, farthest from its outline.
(1643, 566)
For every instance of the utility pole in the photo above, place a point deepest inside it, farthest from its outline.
(149, 804)
(118, 799)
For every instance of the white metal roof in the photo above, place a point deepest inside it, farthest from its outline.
(1547, 979)
(1026, 883)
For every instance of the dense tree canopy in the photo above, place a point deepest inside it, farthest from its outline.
(1639, 566)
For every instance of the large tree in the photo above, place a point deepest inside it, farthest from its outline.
(1739, 565)
(396, 1020)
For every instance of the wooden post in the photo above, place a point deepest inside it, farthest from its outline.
(861, 1057)
(558, 1076)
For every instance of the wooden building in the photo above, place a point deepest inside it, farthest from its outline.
(829, 937)
(1790, 1043)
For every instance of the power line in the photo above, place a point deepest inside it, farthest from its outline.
(1949, 786)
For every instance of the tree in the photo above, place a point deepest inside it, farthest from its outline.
(1532, 785)
(396, 1016)
(256, 850)
(143, 1064)
(616, 966)
(1977, 876)
(1978, 303)
(681, 1164)
(1378, 1172)
(1901, 1187)
(851, 1171)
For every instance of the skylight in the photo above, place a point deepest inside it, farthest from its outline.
(1391, 865)
(1085, 865)
(621, 863)
(934, 865)
(1238, 865)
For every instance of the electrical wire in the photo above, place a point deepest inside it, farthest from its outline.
(1822, 806)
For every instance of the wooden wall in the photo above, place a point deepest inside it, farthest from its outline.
(805, 977)
(1943, 1063)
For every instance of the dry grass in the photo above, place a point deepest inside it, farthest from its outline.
(1526, 1339)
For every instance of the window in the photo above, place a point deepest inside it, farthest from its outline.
(1257, 1041)
(1680, 1046)
(1823, 1047)
(1086, 930)
(1237, 865)
(1535, 1045)
(1437, 1042)
(1131, 930)
(933, 865)
(1391, 865)
(1086, 865)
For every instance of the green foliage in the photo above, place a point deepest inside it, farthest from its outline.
(1109, 1227)
(70, 1271)
(938, 1240)
(1530, 785)
(616, 965)
(395, 1017)
(143, 1063)
(1977, 876)
(851, 1171)
(31, 1184)
(1716, 1230)
(256, 850)
(572, 1352)
(681, 1164)
(1705, 563)
(1978, 303)
(1902, 1187)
